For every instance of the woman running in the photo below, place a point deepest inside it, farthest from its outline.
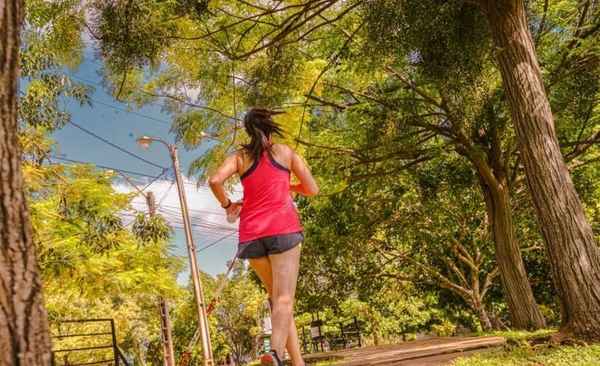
(270, 231)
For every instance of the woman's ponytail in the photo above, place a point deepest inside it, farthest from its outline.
(260, 126)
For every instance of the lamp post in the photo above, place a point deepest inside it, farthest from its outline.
(144, 142)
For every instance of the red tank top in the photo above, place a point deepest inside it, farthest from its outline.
(268, 207)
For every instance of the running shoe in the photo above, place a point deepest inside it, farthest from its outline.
(270, 359)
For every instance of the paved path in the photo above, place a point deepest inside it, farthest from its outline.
(427, 352)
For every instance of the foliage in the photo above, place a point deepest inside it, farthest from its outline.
(133, 35)
(82, 242)
(151, 229)
(522, 350)
(399, 111)
(184, 323)
(51, 43)
(392, 234)
(91, 264)
(240, 312)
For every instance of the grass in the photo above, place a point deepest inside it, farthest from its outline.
(522, 350)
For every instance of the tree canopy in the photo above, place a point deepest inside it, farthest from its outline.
(455, 144)
(376, 88)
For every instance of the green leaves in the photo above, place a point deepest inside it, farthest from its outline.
(52, 44)
(397, 106)
(82, 242)
(132, 33)
(151, 230)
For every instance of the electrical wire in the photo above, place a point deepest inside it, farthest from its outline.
(115, 146)
(215, 242)
(56, 157)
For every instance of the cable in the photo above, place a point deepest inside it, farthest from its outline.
(115, 146)
(116, 107)
(195, 185)
(209, 227)
(155, 179)
(215, 242)
(55, 157)
(130, 112)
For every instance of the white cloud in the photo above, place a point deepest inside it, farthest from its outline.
(204, 210)
(215, 239)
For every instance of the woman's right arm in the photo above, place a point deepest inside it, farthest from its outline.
(217, 182)
(307, 185)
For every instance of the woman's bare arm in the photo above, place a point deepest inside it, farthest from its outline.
(307, 185)
(219, 177)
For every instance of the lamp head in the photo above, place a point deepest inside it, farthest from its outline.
(144, 142)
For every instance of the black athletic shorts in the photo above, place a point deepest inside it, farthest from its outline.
(263, 247)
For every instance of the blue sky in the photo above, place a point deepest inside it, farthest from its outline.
(105, 135)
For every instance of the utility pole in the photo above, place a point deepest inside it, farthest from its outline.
(165, 321)
(207, 359)
(198, 293)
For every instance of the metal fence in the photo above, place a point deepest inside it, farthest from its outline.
(319, 337)
(85, 342)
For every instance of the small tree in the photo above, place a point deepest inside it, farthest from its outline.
(239, 313)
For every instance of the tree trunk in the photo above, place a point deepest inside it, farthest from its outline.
(570, 243)
(523, 309)
(476, 303)
(24, 330)
(374, 328)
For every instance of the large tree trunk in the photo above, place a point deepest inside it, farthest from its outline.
(523, 309)
(572, 249)
(24, 330)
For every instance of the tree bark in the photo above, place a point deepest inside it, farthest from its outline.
(494, 178)
(479, 310)
(572, 250)
(523, 310)
(494, 181)
(24, 330)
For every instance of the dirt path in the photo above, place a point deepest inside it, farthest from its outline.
(427, 352)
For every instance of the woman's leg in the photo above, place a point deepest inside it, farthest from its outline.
(279, 274)
(293, 345)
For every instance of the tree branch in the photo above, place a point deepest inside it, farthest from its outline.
(581, 146)
(489, 278)
(415, 88)
(354, 178)
(324, 102)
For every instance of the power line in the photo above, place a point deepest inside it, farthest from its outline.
(172, 208)
(118, 147)
(131, 112)
(154, 178)
(55, 157)
(215, 242)
(115, 146)
(116, 107)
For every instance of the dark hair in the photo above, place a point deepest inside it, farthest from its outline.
(260, 127)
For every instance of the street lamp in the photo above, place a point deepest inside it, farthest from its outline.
(144, 143)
